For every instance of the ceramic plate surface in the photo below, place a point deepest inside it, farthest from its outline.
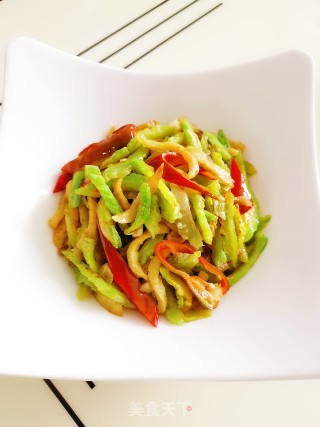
(267, 326)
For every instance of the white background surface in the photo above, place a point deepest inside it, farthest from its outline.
(238, 31)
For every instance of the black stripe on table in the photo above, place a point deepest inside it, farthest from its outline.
(173, 35)
(64, 403)
(91, 384)
(122, 28)
(148, 31)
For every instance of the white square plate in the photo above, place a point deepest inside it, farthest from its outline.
(267, 326)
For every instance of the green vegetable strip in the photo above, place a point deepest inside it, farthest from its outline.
(118, 170)
(88, 190)
(249, 168)
(147, 248)
(218, 254)
(88, 247)
(140, 167)
(106, 224)
(256, 249)
(190, 135)
(215, 188)
(74, 199)
(115, 157)
(94, 174)
(219, 147)
(263, 221)
(143, 212)
(182, 291)
(170, 209)
(197, 202)
(80, 279)
(210, 216)
(209, 206)
(152, 223)
(185, 262)
(218, 160)
(230, 243)
(133, 145)
(158, 132)
(141, 153)
(222, 138)
(84, 288)
(96, 281)
(123, 169)
(172, 313)
(178, 138)
(133, 182)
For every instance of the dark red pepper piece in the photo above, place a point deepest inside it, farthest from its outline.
(95, 153)
(62, 181)
(128, 283)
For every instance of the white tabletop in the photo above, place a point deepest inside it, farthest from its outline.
(163, 36)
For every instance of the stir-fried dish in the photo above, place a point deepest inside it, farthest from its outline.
(159, 218)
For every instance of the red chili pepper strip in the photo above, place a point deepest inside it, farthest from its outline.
(128, 283)
(165, 247)
(95, 153)
(172, 175)
(62, 181)
(239, 187)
